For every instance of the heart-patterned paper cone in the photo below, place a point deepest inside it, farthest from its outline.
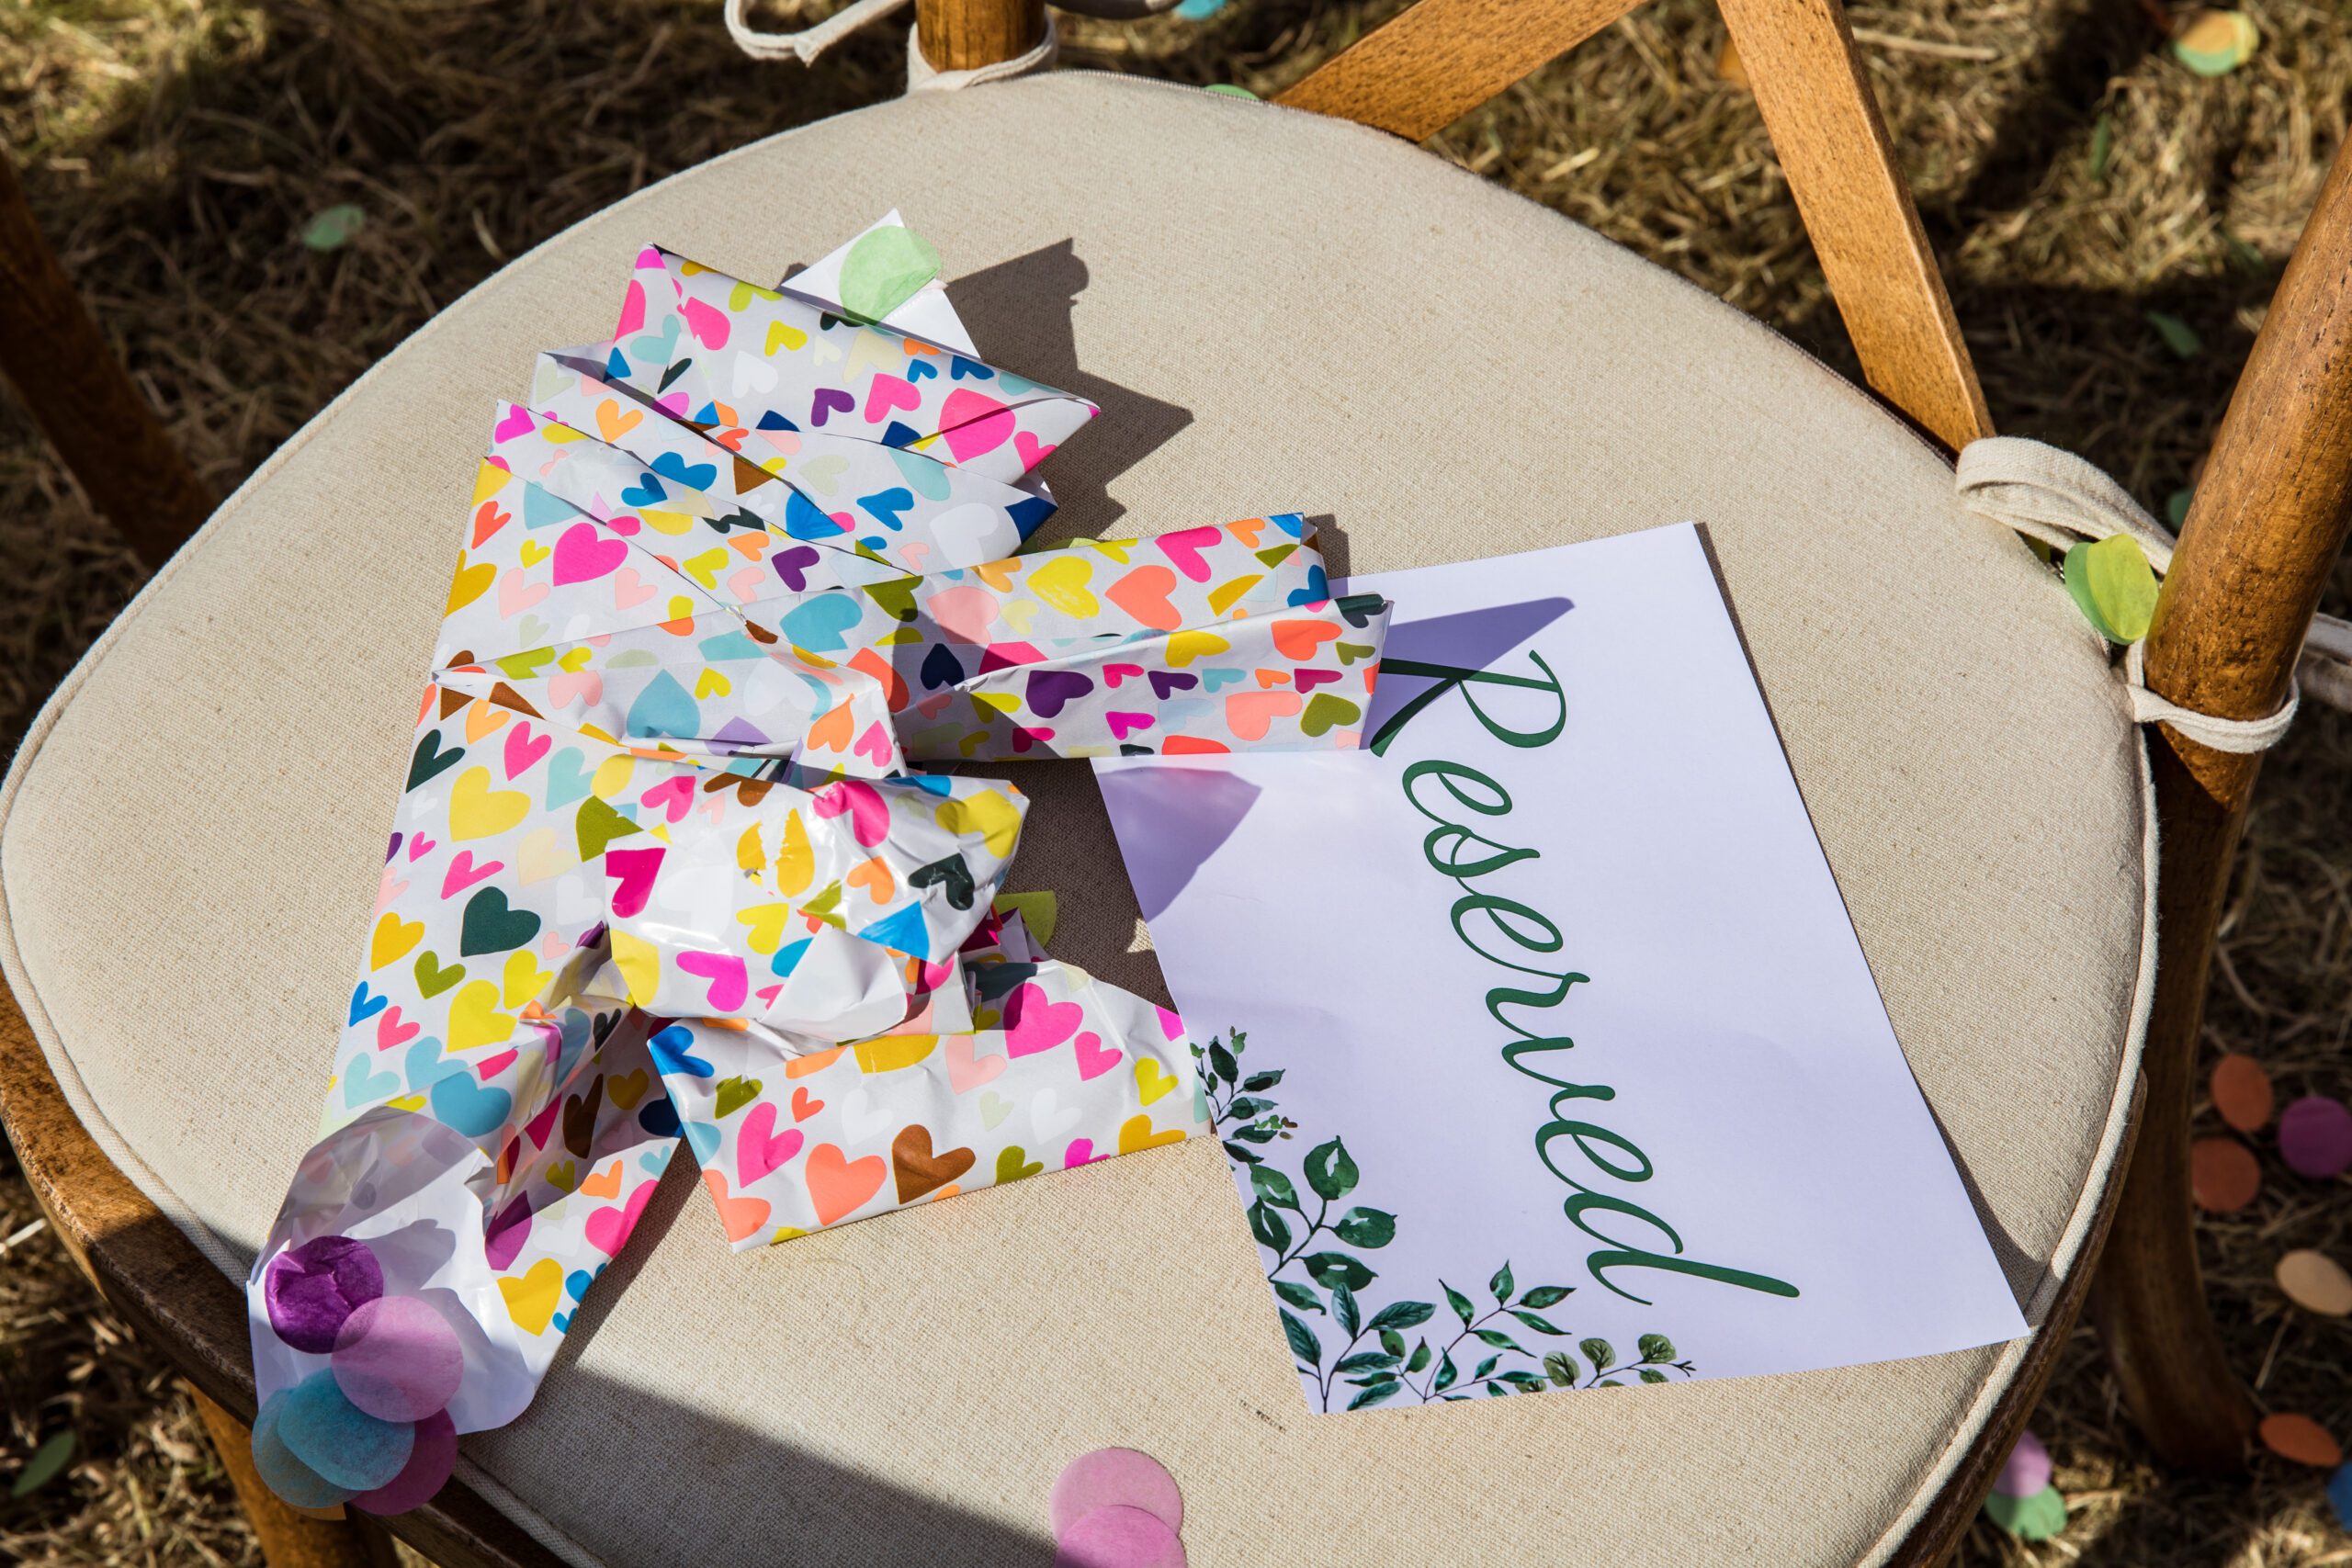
(666, 866)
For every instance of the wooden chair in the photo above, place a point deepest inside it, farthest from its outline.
(156, 1181)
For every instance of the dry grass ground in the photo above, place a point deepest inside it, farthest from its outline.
(2072, 177)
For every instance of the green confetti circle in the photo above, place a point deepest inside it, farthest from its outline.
(884, 269)
(2215, 43)
(2113, 585)
(333, 228)
(2036, 1518)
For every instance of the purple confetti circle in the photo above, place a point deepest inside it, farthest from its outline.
(2315, 1136)
(310, 1289)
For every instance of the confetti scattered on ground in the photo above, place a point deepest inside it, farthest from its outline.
(2224, 1174)
(2301, 1439)
(2241, 1092)
(2315, 1136)
(2214, 43)
(2315, 1282)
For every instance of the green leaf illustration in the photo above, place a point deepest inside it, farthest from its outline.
(1297, 1295)
(1403, 1314)
(1275, 1187)
(1459, 1303)
(1330, 1170)
(1303, 1343)
(1378, 1370)
(42, 1469)
(1330, 1269)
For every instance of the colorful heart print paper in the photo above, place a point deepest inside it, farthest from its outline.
(704, 343)
(667, 865)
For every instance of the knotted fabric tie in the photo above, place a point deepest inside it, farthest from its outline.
(804, 44)
(2057, 498)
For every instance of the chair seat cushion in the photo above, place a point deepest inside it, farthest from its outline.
(1274, 311)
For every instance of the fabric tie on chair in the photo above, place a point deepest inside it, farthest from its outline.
(2053, 496)
(664, 871)
(804, 44)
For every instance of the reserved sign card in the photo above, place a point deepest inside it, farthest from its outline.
(1544, 1052)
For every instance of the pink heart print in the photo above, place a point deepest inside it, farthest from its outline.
(608, 1229)
(759, 1147)
(1033, 1023)
(581, 556)
(728, 982)
(1094, 1058)
(870, 814)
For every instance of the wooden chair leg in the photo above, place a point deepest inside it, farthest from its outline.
(2149, 1301)
(85, 400)
(2263, 536)
(289, 1538)
(962, 35)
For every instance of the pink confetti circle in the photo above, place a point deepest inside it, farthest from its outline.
(1115, 1476)
(2315, 1136)
(2027, 1470)
(398, 1359)
(1119, 1537)
(429, 1463)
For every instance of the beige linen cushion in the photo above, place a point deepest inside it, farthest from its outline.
(1274, 311)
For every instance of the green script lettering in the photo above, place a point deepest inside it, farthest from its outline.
(1530, 931)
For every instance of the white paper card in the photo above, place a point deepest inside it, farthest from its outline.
(1701, 1156)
